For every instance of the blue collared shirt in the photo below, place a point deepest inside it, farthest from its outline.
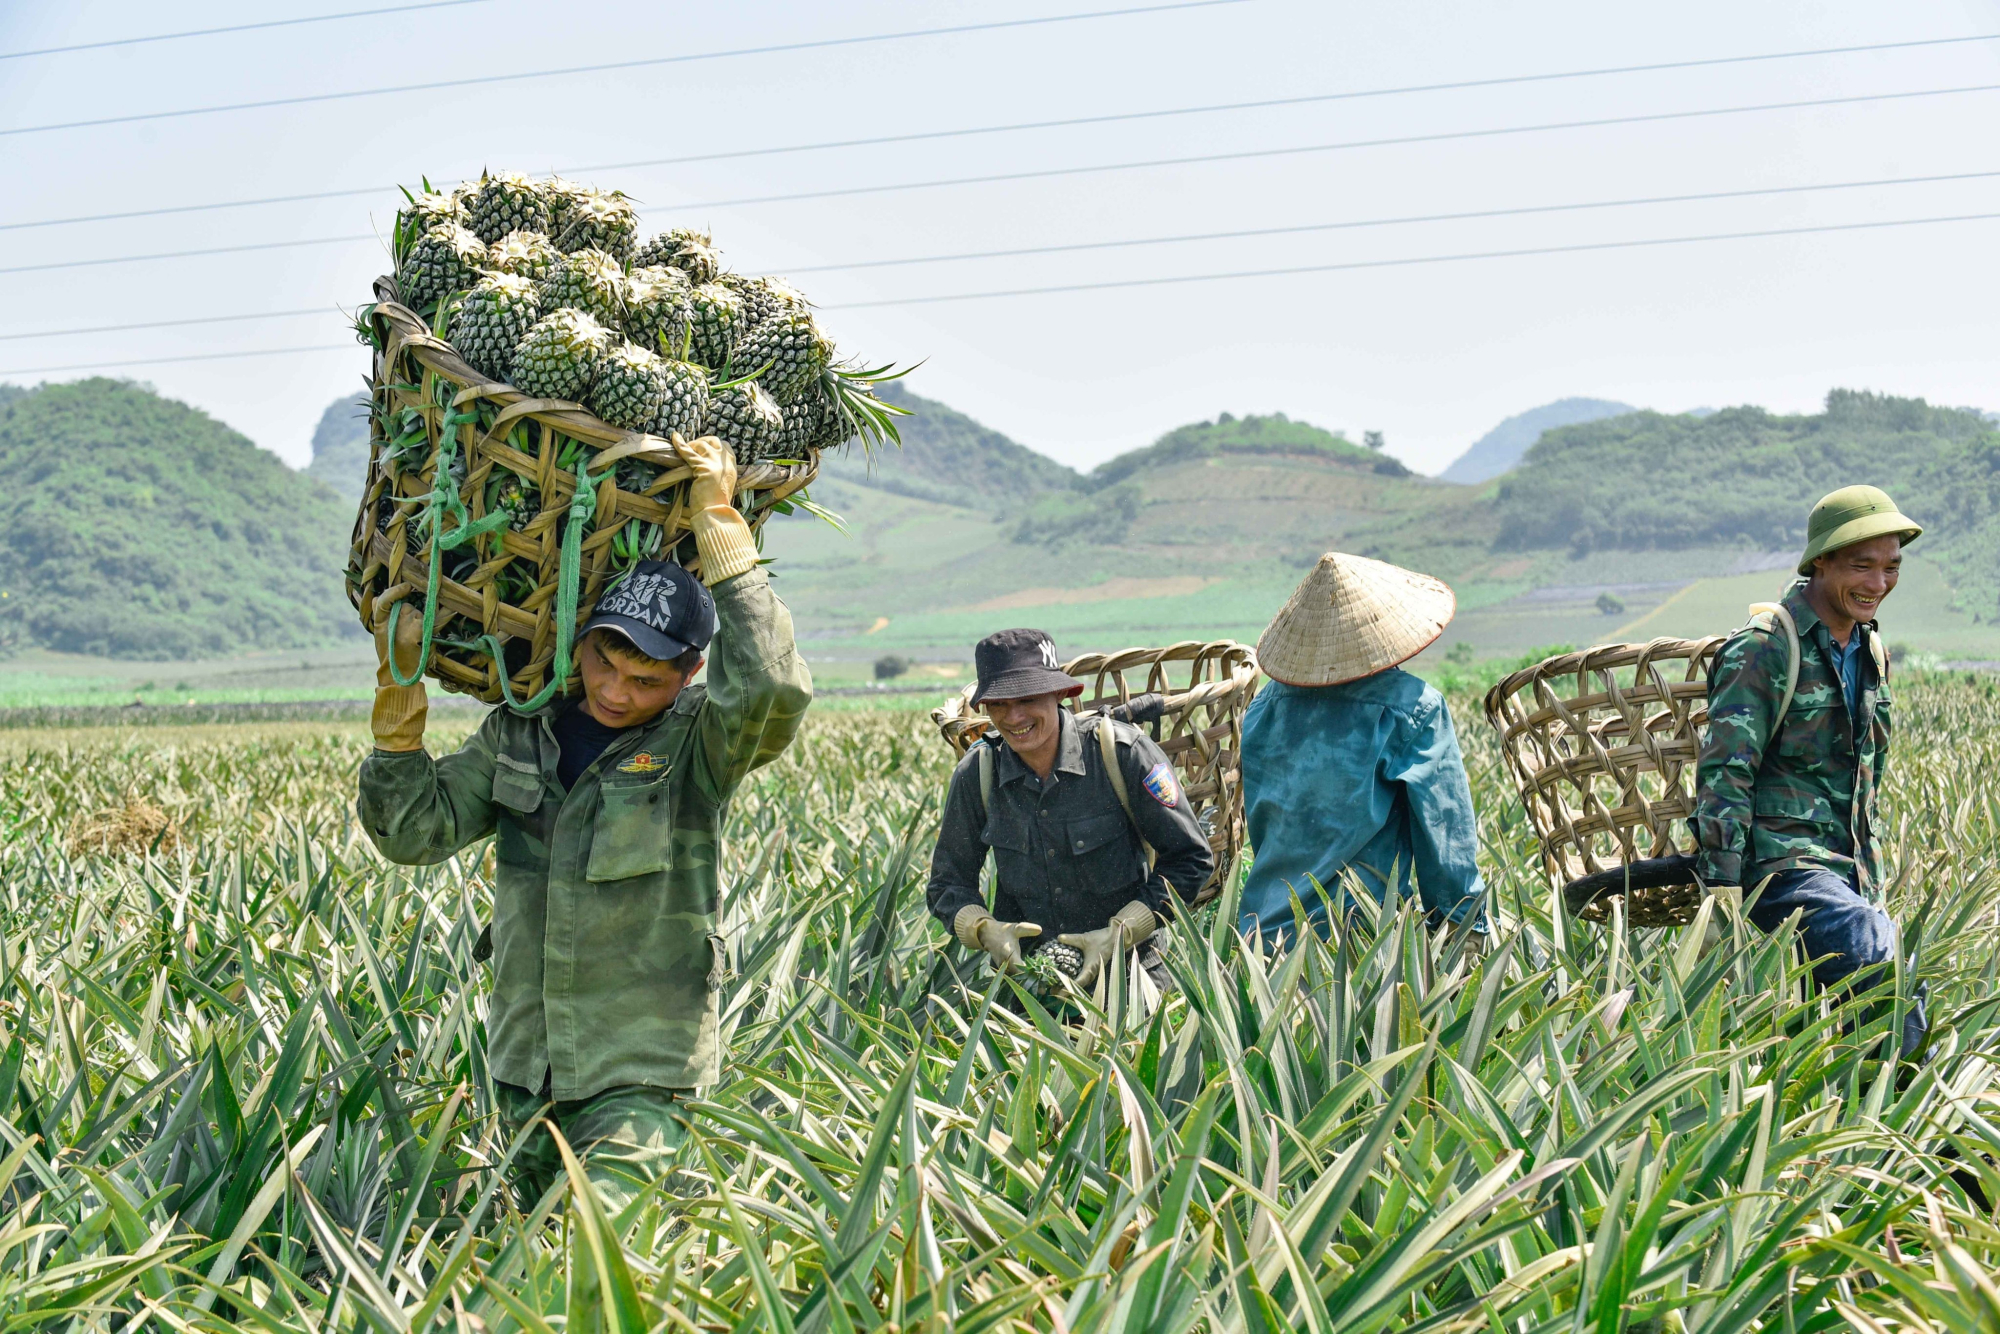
(1363, 776)
(1847, 666)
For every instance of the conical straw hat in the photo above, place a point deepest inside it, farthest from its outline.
(1353, 617)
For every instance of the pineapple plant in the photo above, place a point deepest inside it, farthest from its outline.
(599, 221)
(492, 320)
(656, 309)
(764, 297)
(443, 260)
(716, 319)
(590, 281)
(524, 254)
(787, 352)
(509, 202)
(631, 389)
(686, 249)
(560, 356)
(746, 419)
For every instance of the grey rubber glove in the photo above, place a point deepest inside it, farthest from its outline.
(1132, 927)
(978, 929)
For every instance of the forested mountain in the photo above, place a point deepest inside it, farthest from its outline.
(1502, 447)
(340, 447)
(135, 526)
(1743, 476)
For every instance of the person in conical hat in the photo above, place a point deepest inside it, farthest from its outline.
(1351, 768)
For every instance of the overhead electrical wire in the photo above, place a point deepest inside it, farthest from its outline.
(1048, 173)
(1178, 279)
(235, 27)
(1354, 265)
(608, 67)
(1248, 233)
(1021, 126)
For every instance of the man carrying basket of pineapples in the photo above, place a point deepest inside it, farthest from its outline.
(607, 809)
(1798, 738)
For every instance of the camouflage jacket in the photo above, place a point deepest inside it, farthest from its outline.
(606, 957)
(1805, 797)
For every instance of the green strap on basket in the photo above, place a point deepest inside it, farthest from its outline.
(582, 508)
(442, 499)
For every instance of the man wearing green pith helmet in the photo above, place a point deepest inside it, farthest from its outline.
(1797, 742)
(606, 809)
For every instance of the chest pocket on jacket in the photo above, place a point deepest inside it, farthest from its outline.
(1100, 847)
(1007, 834)
(1812, 728)
(517, 785)
(633, 834)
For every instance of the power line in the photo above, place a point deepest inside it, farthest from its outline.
(481, 80)
(168, 361)
(189, 254)
(235, 27)
(1048, 173)
(166, 324)
(1126, 243)
(1117, 284)
(1466, 216)
(1015, 127)
(1243, 155)
(1353, 265)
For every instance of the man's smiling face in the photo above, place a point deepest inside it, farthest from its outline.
(1854, 580)
(1028, 726)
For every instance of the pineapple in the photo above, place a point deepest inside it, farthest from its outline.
(685, 249)
(746, 419)
(595, 221)
(521, 499)
(524, 254)
(492, 320)
(433, 208)
(590, 281)
(560, 356)
(631, 389)
(656, 309)
(686, 407)
(787, 352)
(562, 196)
(716, 315)
(509, 202)
(443, 260)
(763, 297)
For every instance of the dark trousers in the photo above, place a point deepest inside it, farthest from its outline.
(1843, 931)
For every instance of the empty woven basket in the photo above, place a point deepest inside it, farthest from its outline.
(1604, 743)
(1203, 689)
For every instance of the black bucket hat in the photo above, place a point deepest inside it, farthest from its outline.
(1018, 664)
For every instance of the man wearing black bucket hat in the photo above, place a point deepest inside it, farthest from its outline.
(606, 810)
(1069, 807)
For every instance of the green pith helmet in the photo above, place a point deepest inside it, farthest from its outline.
(1853, 514)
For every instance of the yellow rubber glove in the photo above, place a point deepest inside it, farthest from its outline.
(720, 534)
(1132, 927)
(978, 929)
(398, 716)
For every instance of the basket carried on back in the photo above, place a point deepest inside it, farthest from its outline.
(1604, 744)
(1199, 724)
(524, 555)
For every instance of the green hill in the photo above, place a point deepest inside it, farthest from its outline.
(134, 526)
(340, 448)
(1745, 477)
(1502, 447)
(947, 456)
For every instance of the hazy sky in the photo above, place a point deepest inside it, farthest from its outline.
(1431, 354)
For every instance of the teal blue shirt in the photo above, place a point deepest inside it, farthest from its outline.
(1367, 777)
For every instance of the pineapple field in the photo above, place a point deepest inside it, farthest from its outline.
(534, 363)
(245, 1086)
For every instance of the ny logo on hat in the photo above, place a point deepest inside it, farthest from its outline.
(1049, 654)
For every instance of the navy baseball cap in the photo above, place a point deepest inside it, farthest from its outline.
(1019, 664)
(659, 607)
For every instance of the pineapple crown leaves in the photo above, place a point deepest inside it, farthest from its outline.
(852, 389)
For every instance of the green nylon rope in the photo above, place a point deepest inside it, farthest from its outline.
(443, 497)
(582, 508)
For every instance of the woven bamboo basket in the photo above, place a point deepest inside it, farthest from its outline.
(509, 596)
(1204, 689)
(1604, 744)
